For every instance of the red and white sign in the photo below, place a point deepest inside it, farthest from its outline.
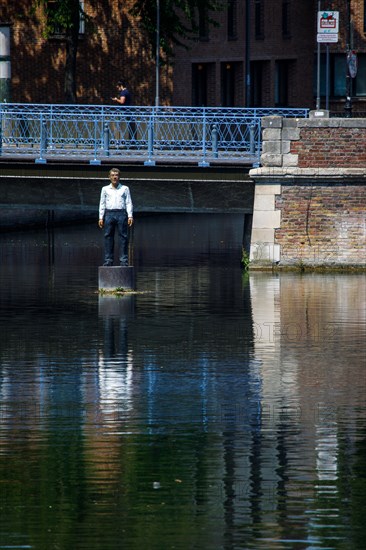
(328, 22)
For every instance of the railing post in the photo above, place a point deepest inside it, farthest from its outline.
(150, 143)
(95, 160)
(215, 141)
(43, 141)
(106, 139)
(256, 142)
(252, 139)
(204, 162)
(50, 139)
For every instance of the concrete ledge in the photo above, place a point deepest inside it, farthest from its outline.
(289, 171)
(116, 278)
(331, 123)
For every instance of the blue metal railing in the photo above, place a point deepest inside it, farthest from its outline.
(202, 135)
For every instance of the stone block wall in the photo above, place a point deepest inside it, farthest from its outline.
(310, 194)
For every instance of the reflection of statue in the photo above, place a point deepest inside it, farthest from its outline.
(115, 363)
(115, 338)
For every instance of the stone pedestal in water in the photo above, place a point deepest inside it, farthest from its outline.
(116, 278)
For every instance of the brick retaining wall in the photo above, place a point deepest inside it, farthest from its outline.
(310, 194)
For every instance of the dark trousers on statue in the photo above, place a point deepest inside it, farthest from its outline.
(115, 219)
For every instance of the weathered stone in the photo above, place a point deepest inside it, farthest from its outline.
(271, 134)
(271, 147)
(291, 134)
(267, 159)
(272, 122)
(290, 160)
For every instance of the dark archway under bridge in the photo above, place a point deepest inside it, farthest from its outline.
(65, 193)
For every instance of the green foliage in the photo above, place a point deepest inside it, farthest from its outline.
(61, 16)
(179, 19)
(244, 260)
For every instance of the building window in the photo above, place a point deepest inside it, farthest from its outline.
(203, 23)
(257, 73)
(232, 20)
(286, 9)
(337, 76)
(228, 79)
(199, 84)
(258, 19)
(360, 80)
(282, 83)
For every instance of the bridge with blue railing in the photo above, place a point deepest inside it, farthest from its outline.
(94, 133)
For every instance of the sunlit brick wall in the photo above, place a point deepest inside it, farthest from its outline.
(115, 49)
(322, 223)
(341, 145)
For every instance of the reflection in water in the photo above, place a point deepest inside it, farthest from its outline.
(214, 409)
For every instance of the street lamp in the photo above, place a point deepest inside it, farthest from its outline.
(157, 55)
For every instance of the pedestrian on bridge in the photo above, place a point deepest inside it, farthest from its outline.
(124, 99)
(124, 95)
(115, 211)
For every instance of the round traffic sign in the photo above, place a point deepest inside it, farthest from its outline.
(352, 63)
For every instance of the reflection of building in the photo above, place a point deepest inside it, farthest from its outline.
(263, 53)
(306, 386)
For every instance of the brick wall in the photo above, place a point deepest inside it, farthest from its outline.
(322, 224)
(332, 145)
(116, 49)
(310, 193)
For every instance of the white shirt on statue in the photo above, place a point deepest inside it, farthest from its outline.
(115, 198)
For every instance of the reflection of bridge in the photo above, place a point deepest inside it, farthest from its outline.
(93, 133)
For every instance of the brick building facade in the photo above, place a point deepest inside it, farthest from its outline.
(263, 53)
(280, 40)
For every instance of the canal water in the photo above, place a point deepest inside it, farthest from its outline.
(213, 409)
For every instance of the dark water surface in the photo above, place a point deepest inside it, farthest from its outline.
(212, 410)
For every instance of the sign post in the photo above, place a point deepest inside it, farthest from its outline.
(351, 64)
(328, 28)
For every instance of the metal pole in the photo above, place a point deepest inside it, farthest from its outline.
(157, 56)
(247, 53)
(348, 102)
(318, 69)
(327, 80)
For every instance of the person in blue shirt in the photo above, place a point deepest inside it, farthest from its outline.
(124, 96)
(115, 211)
(124, 99)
